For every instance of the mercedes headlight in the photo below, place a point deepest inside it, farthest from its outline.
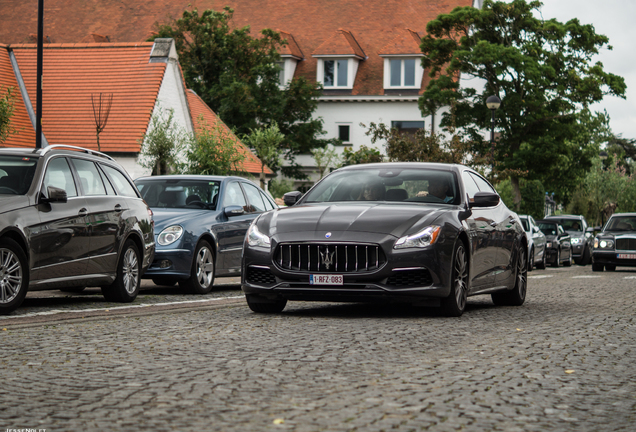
(170, 235)
(255, 238)
(424, 238)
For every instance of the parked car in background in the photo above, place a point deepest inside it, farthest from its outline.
(420, 233)
(70, 218)
(536, 242)
(615, 245)
(200, 225)
(558, 245)
(582, 238)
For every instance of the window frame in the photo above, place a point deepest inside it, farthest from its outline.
(418, 72)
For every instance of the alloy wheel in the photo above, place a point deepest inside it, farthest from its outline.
(131, 271)
(461, 278)
(10, 275)
(205, 267)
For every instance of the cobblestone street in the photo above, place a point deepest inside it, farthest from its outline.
(565, 361)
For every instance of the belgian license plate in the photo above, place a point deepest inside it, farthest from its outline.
(627, 256)
(325, 279)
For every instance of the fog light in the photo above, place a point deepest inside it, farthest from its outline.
(165, 263)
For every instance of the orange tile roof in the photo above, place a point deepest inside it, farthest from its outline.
(408, 42)
(292, 48)
(198, 109)
(21, 123)
(341, 43)
(73, 73)
(374, 23)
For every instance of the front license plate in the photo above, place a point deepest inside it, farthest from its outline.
(325, 279)
(627, 256)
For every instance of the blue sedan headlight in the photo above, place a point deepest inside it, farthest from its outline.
(170, 235)
(424, 238)
(255, 238)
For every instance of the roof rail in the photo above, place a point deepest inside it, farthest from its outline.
(46, 149)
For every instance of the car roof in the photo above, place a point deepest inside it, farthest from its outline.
(406, 165)
(192, 177)
(564, 217)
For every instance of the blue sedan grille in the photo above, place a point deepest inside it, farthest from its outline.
(329, 257)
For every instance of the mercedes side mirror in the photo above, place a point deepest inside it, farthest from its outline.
(233, 210)
(292, 198)
(55, 195)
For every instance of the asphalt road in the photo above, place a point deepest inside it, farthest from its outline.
(565, 361)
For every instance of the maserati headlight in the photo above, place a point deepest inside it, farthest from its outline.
(603, 244)
(170, 235)
(424, 238)
(255, 238)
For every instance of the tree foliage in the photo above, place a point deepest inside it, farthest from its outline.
(6, 111)
(214, 151)
(266, 145)
(325, 157)
(532, 193)
(162, 143)
(237, 76)
(361, 156)
(541, 69)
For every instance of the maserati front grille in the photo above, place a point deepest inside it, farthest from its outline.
(626, 244)
(329, 257)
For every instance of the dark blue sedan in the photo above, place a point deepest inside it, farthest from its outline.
(200, 224)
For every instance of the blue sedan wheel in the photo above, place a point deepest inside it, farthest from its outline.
(201, 278)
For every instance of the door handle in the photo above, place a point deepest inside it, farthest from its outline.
(82, 212)
(118, 208)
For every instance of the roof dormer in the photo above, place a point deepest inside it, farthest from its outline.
(338, 60)
(290, 56)
(403, 62)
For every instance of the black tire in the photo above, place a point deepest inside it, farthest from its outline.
(455, 304)
(164, 281)
(610, 267)
(557, 259)
(541, 265)
(531, 260)
(201, 280)
(14, 276)
(128, 280)
(597, 267)
(517, 295)
(75, 290)
(262, 305)
(585, 258)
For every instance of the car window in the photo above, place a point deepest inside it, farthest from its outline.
(109, 187)
(120, 182)
(16, 174)
(483, 185)
(173, 192)
(234, 196)
(89, 177)
(526, 225)
(548, 229)
(58, 174)
(621, 223)
(469, 185)
(254, 197)
(267, 202)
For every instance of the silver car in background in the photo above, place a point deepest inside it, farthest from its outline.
(536, 242)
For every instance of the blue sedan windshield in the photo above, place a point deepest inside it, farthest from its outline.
(179, 193)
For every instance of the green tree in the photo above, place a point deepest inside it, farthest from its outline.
(324, 158)
(6, 111)
(237, 76)
(541, 69)
(161, 144)
(361, 156)
(214, 151)
(532, 193)
(266, 144)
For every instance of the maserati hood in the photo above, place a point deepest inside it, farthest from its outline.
(376, 218)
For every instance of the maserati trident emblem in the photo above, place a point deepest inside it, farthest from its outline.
(326, 258)
(328, 235)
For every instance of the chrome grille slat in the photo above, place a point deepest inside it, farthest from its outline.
(626, 244)
(344, 257)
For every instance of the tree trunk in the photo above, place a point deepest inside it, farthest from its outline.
(263, 176)
(516, 192)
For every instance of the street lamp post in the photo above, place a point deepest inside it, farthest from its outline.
(492, 103)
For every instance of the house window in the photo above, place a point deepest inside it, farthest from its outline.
(407, 127)
(336, 73)
(281, 73)
(343, 133)
(402, 72)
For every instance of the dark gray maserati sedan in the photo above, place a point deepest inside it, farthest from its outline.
(70, 218)
(421, 233)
